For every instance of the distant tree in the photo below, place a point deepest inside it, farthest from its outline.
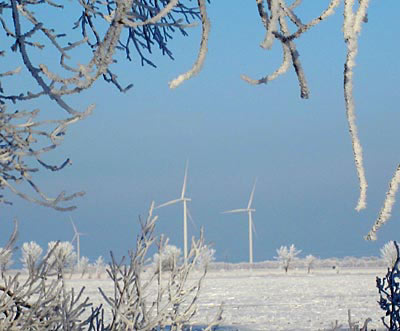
(310, 260)
(83, 265)
(389, 254)
(206, 256)
(286, 256)
(168, 258)
(31, 253)
(99, 267)
(61, 256)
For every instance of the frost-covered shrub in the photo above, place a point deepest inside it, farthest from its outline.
(286, 256)
(31, 253)
(62, 256)
(206, 256)
(389, 254)
(83, 266)
(389, 291)
(5, 259)
(169, 257)
(44, 302)
(309, 261)
(99, 267)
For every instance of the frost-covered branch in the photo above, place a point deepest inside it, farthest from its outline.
(386, 210)
(144, 298)
(351, 31)
(174, 303)
(274, 20)
(203, 48)
(278, 11)
(86, 48)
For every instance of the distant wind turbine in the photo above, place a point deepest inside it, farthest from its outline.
(76, 237)
(249, 211)
(185, 211)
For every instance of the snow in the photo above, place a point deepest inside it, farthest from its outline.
(269, 299)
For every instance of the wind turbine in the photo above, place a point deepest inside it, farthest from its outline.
(185, 211)
(249, 211)
(77, 238)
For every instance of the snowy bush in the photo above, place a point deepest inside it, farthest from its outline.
(206, 256)
(169, 257)
(44, 302)
(389, 291)
(99, 267)
(83, 266)
(5, 259)
(389, 254)
(286, 256)
(309, 261)
(61, 256)
(31, 253)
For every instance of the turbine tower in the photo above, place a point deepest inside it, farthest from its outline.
(76, 237)
(249, 211)
(185, 211)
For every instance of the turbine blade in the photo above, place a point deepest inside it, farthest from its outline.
(168, 203)
(73, 238)
(73, 225)
(191, 218)
(254, 229)
(241, 210)
(184, 181)
(252, 194)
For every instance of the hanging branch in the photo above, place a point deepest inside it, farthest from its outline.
(386, 210)
(205, 22)
(149, 24)
(351, 29)
(275, 18)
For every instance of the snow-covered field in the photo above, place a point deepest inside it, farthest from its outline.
(268, 299)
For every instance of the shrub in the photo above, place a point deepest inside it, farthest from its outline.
(168, 257)
(309, 261)
(389, 254)
(286, 256)
(207, 255)
(31, 253)
(389, 291)
(44, 302)
(63, 256)
(83, 266)
(99, 267)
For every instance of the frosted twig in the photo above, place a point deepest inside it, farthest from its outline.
(289, 13)
(290, 53)
(165, 11)
(295, 4)
(205, 23)
(280, 71)
(386, 210)
(327, 12)
(11, 72)
(272, 25)
(262, 13)
(351, 33)
(304, 92)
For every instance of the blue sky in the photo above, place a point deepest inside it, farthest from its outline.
(133, 149)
